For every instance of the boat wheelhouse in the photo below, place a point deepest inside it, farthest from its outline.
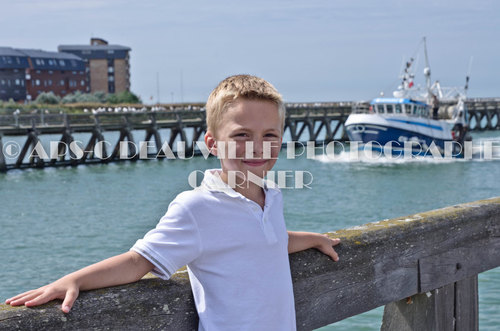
(396, 121)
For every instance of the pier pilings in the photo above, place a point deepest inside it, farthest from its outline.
(315, 122)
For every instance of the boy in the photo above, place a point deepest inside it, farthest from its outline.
(230, 231)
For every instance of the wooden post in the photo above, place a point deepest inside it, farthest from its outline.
(453, 307)
(3, 165)
(466, 304)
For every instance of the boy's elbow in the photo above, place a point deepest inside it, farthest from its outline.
(141, 265)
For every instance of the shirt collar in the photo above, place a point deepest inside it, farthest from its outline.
(213, 183)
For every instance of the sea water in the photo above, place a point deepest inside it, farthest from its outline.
(54, 221)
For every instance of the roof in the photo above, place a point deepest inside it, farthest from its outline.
(397, 101)
(11, 58)
(92, 47)
(38, 53)
(44, 60)
(9, 51)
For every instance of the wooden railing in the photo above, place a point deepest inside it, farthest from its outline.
(423, 267)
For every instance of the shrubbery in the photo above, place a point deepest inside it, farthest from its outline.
(101, 97)
(47, 98)
(71, 103)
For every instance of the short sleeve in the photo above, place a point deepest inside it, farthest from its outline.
(174, 242)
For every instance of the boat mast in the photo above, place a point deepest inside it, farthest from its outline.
(427, 73)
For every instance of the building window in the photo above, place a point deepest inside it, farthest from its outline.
(49, 82)
(111, 69)
(15, 70)
(2, 81)
(61, 82)
(38, 72)
(82, 82)
(62, 63)
(18, 81)
(37, 82)
(42, 61)
(110, 51)
(37, 61)
(73, 63)
(86, 52)
(111, 78)
(74, 72)
(50, 62)
(50, 72)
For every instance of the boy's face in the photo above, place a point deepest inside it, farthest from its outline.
(245, 124)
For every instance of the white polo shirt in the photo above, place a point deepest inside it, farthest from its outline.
(236, 255)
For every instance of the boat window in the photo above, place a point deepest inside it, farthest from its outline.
(397, 109)
(389, 109)
(380, 109)
(421, 111)
(409, 109)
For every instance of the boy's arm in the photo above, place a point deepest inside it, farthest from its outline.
(121, 269)
(299, 241)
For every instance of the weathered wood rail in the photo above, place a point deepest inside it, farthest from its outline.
(423, 267)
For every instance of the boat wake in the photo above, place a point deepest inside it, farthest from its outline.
(481, 150)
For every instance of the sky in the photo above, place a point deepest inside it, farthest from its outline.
(311, 50)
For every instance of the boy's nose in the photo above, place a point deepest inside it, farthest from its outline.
(253, 148)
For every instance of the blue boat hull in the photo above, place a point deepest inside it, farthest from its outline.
(381, 136)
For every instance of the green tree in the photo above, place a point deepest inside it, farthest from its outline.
(47, 98)
(123, 97)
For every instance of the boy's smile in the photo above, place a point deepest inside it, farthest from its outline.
(248, 138)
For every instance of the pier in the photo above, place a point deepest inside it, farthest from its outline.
(423, 268)
(318, 122)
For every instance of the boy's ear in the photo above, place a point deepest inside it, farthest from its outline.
(211, 143)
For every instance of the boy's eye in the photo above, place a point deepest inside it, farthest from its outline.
(241, 134)
(271, 136)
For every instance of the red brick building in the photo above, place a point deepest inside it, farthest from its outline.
(56, 72)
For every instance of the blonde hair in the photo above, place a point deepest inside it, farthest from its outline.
(240, 87)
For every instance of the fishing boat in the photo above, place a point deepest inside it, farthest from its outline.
(410, 120)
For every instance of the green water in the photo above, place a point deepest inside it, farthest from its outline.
(54, 221)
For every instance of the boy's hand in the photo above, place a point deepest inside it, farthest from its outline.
(65, 289)
(325, 246)
(299, 241)
(117, 270)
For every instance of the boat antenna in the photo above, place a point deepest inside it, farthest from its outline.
(467, 78)
(427, 70)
